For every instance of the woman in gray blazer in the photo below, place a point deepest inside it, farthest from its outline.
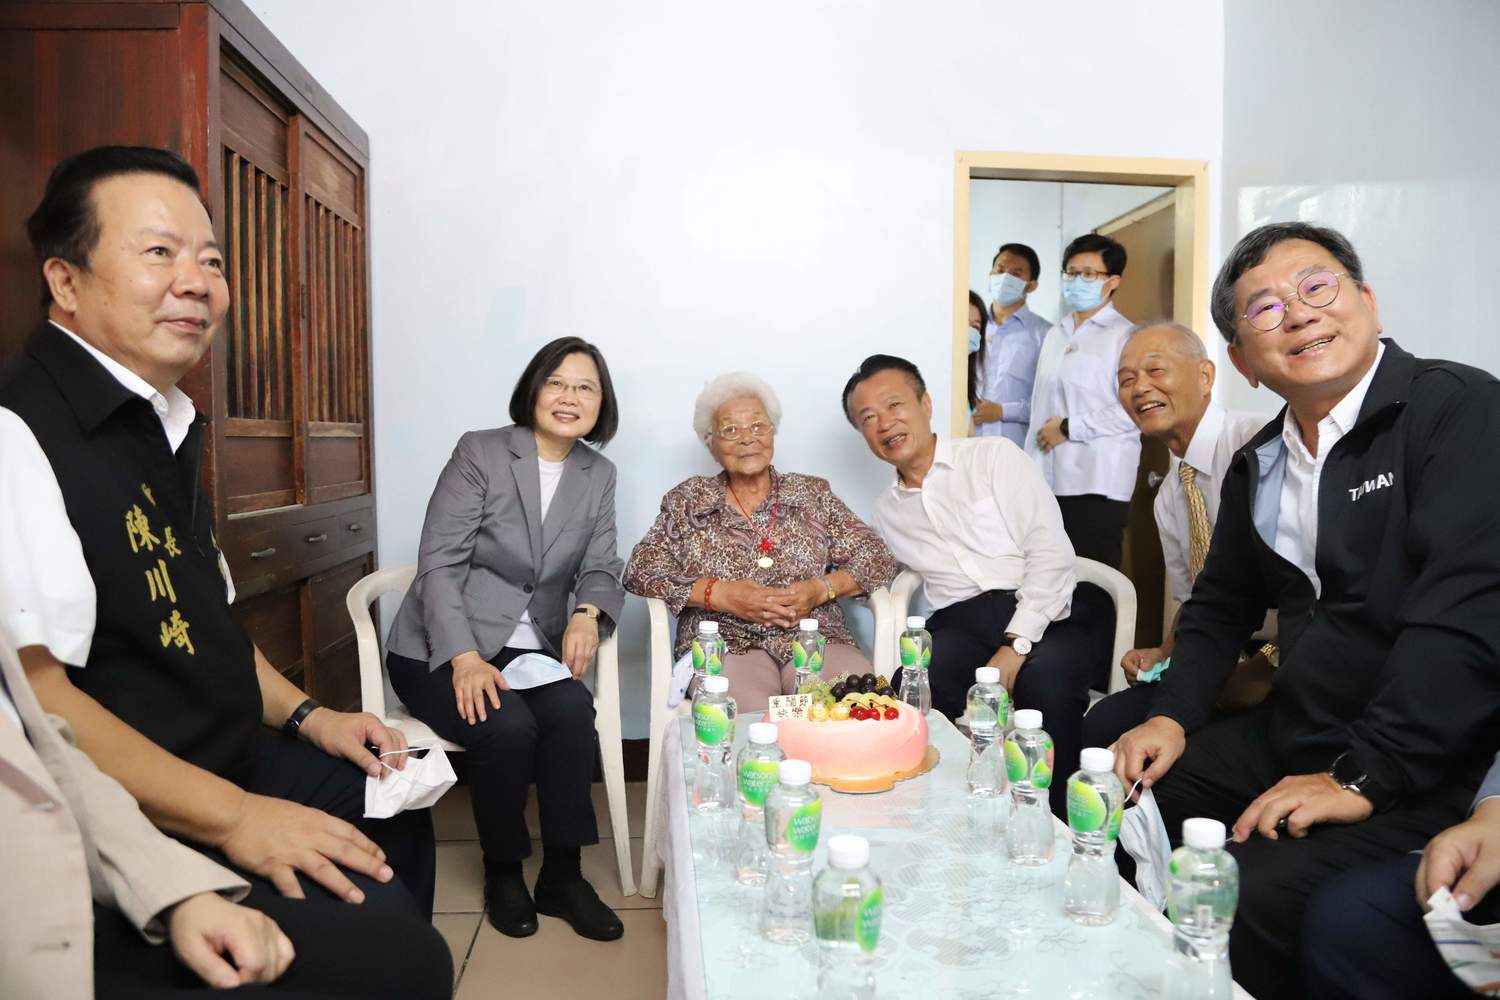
(521, 524)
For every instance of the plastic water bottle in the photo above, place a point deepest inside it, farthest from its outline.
(758, 767)
(1203, 888)
(916, 657)
(807, 651)
(989, 707)
(847, 904)
(1028, 764)
(1096, 803)
(708, 651)
(713, 724)
(794, 818)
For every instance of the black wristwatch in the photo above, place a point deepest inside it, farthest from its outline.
(299, 715)
(1063, 426)
(1349, 775)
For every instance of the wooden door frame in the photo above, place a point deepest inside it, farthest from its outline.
(1189, 178)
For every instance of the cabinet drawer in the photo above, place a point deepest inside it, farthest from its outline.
(357, 527)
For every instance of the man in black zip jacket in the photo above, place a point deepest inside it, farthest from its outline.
(1366, 515)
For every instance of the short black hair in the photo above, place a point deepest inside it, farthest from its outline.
(65, 224)
(976, 360)
(542, 365)
(874, 365)
(1251, 251)
(1112, 252)
(1025, 253)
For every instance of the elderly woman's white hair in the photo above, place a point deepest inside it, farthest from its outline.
(718, 391)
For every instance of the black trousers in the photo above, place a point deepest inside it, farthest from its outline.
(1111, 717)
(285, 767)
(1096, 526)
(1363, 938)
(1227, 764)
(342, 951)
(545, 734)
(1055, 678)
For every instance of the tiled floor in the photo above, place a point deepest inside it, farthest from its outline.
(554, 962)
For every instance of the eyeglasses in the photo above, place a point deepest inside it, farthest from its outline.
(1318, 290)
(730, 432)
(1086, 273)
(584, 392)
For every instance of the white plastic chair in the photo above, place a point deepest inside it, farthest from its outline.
(376, 696)
(1114, 583)
(882, 658)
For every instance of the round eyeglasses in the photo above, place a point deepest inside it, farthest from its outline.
(731, 432)
(1318, 290)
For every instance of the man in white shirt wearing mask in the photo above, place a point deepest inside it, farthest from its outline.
(1012, 342)
(1166, 384)
(1086, 445)
(975, 519)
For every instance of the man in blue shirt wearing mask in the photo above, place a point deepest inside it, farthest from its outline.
(1013, 340)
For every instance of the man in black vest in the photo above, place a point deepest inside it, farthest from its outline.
(1366, 515)
(117, 592)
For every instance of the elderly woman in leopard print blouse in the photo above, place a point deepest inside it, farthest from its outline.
(756, 549)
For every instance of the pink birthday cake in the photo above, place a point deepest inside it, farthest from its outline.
(864, 742)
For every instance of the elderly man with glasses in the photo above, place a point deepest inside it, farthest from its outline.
(757, 550)
(1363, 517)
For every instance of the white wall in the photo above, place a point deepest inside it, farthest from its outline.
(699, 188)
(1399, 148)
(1045, 216)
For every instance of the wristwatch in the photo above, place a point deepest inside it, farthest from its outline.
(1351, 777)
(1019, 643)
(587, 609)
(1063, 426)
(299, 715)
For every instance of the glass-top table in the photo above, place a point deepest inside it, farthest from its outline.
(960, 920)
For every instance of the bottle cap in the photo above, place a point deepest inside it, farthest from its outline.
(1204, 834)
(916, 621)
(808, 624)
(1028, 718)
(1096, 759)
(847, 851)
(794, 772)
(763, 733)
(716, 684)
(710, 627)
(987, 675)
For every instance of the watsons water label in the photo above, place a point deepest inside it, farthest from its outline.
(1018, 768)
(803, 828)
(710, 724)
(757, 778)
(707, 661)
(1087, 810)
(809, 660)
(867, 926)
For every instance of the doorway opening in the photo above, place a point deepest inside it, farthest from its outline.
(1158, 210)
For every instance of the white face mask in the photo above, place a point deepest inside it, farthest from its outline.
(1144, 836)
(416, 786)
(534, 670)
(682, 676)
(1470, 950)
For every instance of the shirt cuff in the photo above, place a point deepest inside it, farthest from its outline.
(69, 646)
(1029, 624)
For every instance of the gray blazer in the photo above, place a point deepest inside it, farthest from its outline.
(487, 555)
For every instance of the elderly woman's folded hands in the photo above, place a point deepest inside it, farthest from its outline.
(754, 603)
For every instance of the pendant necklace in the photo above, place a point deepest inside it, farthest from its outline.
(766, 545)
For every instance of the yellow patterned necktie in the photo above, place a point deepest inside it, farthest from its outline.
(1199, 531)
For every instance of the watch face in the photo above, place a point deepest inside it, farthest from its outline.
(1021, 644)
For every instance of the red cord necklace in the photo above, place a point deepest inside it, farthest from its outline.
(766, 543)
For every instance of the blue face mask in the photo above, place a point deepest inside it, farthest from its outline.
(1081, 296)
(1006, 289)
(973, 340)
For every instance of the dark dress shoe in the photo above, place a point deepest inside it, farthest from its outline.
(508, 906)
(576, 902)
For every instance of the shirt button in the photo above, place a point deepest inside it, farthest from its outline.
(47, 806)
(527, 588)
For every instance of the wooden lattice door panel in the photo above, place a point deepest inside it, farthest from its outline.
(335, 319)
(261, 409)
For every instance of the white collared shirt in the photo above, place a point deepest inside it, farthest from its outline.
(1076, 379)
(1009, 371)
(1297, 521)
(1218, 436)
(47, 595)
(525, 635)
(982, 520)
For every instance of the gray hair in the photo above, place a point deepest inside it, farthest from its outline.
(1251, 251)
(718, 391)
(1189, 344)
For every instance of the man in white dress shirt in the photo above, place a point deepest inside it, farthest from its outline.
(1086, 445)
(118, 596)
(1166, 384)
(1012, 341)
(975, 519)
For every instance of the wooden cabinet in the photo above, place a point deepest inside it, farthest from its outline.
(285, 171)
